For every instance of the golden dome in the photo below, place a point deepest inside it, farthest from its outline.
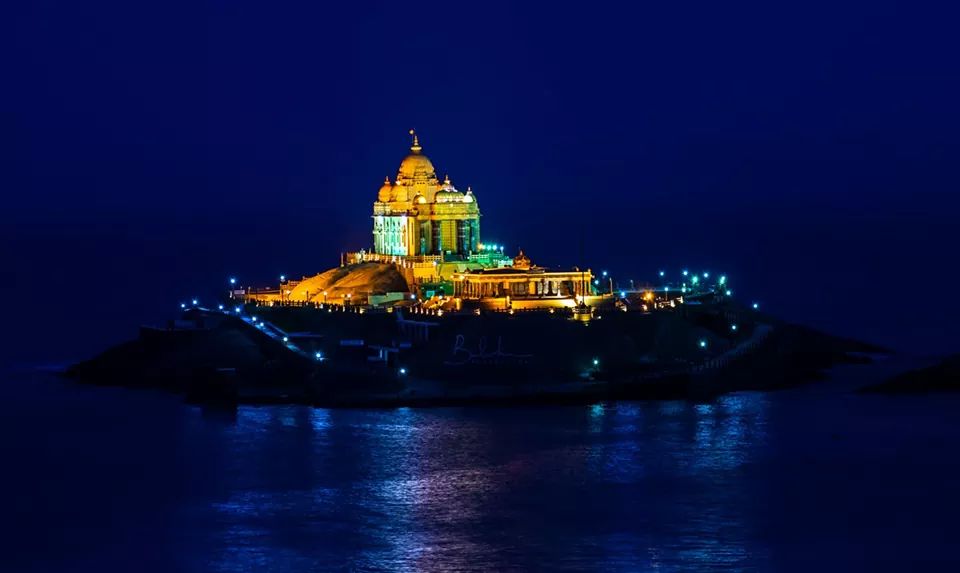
(384, 194)
(416, 166)
(522, 261)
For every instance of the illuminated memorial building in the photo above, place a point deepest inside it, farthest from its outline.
(426, 235)
(418, 215)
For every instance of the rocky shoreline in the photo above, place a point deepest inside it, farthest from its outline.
(211, 357)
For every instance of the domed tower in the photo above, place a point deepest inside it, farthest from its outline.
(421, 216)
(386, 191)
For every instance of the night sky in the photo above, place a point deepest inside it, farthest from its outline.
(809, 151)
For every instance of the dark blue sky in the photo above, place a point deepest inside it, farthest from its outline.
(810, 151)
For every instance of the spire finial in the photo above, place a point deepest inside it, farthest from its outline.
(386, 180)
(416, 142)
(446, 180)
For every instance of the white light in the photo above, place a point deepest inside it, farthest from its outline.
(596, 362)
(706, 275)
(285, 339)
(318, 356)
(220, 306)
(729, 292)
(723, 279)
(684, 273)
(604, 273)
(623, 294)
(194, 302)
(237, 309)
(413, 297)
(283, 278)
(403, 371)
(233, 281)
(662, 273)
(733, 327)
(703, 344)
(183, 305)
(253, 318)
(756, 305)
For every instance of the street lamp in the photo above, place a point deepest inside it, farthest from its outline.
(233, 281)
(703, 343)
(756, 306)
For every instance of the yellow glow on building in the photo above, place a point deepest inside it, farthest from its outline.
(416, 214)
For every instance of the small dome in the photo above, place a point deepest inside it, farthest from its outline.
(469, 197)
(521, 261)
(419, 199)
(385, 191)
(400, 192)
(448, 193)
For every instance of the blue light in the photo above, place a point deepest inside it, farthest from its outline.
(283, 278)
(756, 305)
(403, 371)
(695, 279)
(183, 305)
(253, 319)
(623, 294)
(706, 275)
(684, 272)
(662, 273)
(596, 281)
(723, 279)
(194, 302)
(318, 355)
(237, 309)
(220, 306)
(604, 273)
(233, 281)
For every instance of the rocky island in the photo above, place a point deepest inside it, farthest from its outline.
(432, 315)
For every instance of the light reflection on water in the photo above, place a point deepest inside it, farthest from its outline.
(628, 485)
(749, 482)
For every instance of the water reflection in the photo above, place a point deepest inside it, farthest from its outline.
(633, 485)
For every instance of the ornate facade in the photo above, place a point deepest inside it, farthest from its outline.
(419, 215)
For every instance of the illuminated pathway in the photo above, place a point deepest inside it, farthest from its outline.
(274, 332)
